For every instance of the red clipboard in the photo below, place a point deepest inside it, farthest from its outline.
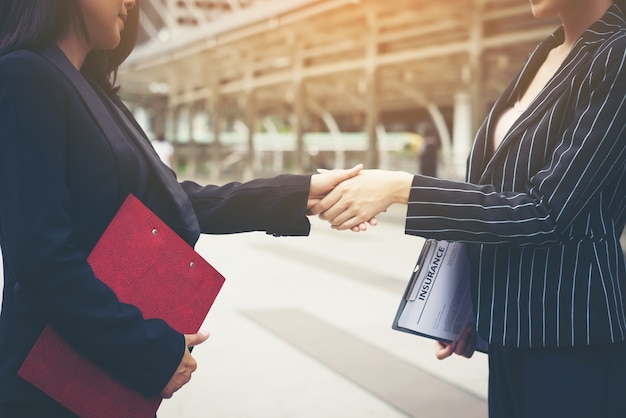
(137, 254)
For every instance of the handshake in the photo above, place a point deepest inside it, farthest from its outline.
(352, 198)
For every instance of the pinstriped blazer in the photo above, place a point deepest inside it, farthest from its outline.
(543, 214)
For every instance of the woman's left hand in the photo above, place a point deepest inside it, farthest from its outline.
(464, 346)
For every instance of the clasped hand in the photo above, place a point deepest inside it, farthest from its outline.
(358, 196)
(464, 346)
(187, 365)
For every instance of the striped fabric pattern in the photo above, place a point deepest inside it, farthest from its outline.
(543, 214)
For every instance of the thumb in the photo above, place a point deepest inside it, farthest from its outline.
(342, 175)
(350, 172)
(354, 170)
(195, 339)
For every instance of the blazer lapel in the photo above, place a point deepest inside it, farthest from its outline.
(179, 214)
(101, 117)
(482, 154)
(551, 92)
(577, 59)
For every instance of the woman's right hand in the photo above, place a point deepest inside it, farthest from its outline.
(187, 366)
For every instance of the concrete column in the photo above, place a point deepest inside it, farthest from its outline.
(372, 158)
(297, 123)
(195, 152)
(251, 119)
(462, 134)
(214, 109)
(475, 71)
(299, 106)
(335, 133)
(170, 129)
(277, 148)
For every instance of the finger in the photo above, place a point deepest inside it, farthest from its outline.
(466, 343)
(349, 216)
(346, 221)
(195, 339)
(358, 168)
(359, 228)
(355, 170)
(325, 203)
(344, 214)
(466, 352)
(343, 175)
(311, 202)
(443, 350)
(332, 212)
(461, 344)
(327, 170)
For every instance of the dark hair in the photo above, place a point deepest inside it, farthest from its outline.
(33, 24)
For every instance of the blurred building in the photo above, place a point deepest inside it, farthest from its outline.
(290, 85)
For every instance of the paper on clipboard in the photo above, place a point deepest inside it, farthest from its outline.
(437, 303)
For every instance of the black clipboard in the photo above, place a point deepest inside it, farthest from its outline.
(430, 275)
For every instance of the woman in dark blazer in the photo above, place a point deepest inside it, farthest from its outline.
(70, 153)
(542, 213)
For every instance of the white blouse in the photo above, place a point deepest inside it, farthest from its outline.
(505, 122)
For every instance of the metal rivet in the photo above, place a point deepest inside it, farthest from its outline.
(154, 231)
(192, 264)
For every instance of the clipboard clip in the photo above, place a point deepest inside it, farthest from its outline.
(418, 265)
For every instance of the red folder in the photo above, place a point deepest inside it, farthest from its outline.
(147, 265)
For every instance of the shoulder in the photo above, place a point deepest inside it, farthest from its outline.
(607, 61)
(609, 34)
(24, 62)
(26, 68)
(27, 74)
(615, 41)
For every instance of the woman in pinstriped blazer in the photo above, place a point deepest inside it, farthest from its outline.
(541, 212)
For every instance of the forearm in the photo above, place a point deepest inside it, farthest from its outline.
(276, 205)
(460, 211)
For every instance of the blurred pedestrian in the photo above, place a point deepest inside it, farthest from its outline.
(429, 152)
(164, 149)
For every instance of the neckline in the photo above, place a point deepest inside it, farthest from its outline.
(518, 107)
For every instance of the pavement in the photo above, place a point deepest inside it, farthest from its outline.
(302, 329)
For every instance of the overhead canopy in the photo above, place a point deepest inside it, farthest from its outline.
(417, 49)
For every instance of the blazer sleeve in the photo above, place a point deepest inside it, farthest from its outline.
(53, 277)
(588, 157)
(276, 205)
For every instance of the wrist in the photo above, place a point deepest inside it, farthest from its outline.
(402, 187)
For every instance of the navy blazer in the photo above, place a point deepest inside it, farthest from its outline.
(543, 214)
(62, 179)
